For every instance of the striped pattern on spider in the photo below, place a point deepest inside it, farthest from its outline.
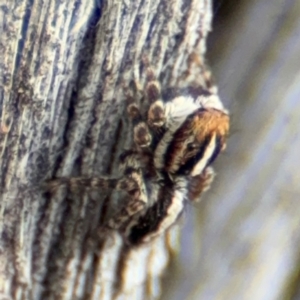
(176, 141)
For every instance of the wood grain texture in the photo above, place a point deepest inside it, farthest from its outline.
(62, 70)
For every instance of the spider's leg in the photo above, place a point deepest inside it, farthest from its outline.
(199, 184)
(141, 133)
(75, 183)
(162, 214)
(133, 183)
(131, 180)
(156, 112)
(136, 202)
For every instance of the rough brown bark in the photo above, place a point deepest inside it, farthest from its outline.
(63, 65)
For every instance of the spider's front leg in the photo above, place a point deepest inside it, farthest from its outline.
(141, 132)
(147, 127)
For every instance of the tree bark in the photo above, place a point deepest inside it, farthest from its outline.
(63, 68)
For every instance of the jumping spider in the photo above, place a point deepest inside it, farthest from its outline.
(176, 141)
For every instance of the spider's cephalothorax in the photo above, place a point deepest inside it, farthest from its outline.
(176, 141)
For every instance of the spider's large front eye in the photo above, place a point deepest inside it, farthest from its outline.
(192, 147)
(189, 151)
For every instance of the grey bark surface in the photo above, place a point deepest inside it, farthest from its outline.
(62, 70)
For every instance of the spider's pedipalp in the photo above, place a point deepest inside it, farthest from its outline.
(199, 184)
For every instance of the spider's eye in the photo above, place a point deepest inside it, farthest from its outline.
(192, 146)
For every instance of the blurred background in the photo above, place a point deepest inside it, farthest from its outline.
(246, 231)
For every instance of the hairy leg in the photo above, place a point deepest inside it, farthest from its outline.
(199, 184)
